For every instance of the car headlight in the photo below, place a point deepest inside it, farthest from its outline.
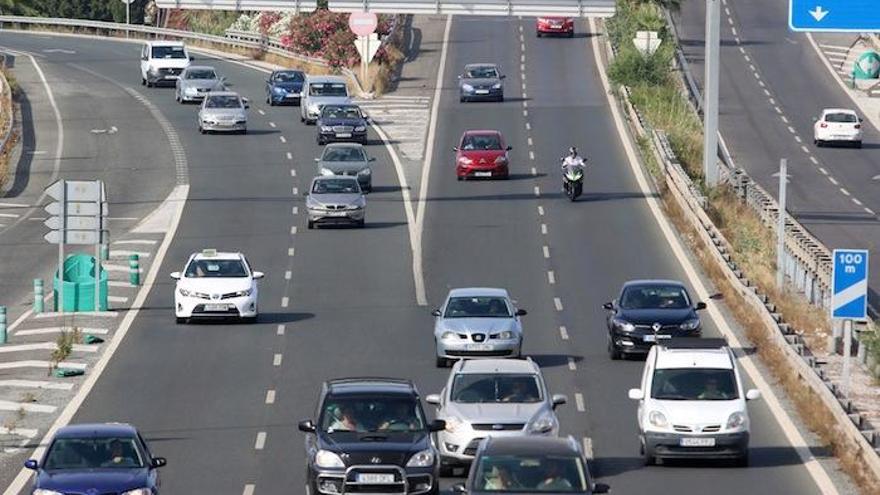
(501, 160)
(278, 89)
(542, 424)
(190, 90)
(505, 335)
(467, 87)
(326, 128)
(139, 491)
(497, 86)
(313, 108)
(365, 171)
(658, 419)
(184, 292)
(691, 324)
(736, 420)
(241, 121)
(360, 128)
(465, 160)
(355, 206)
(424, 458)
(453, 424)
(448, 335)
(40, 491)
(327, 459)
(326, 171)
(624, 325)
(244, 293)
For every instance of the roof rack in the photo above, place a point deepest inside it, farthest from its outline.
(693, 343)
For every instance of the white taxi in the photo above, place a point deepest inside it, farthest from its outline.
(215, 284)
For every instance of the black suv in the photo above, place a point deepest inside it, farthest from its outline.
(371, 436)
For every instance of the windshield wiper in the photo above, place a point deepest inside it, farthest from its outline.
(673, 397)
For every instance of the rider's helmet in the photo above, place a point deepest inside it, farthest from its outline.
(573, 152)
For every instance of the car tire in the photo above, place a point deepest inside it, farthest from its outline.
(458, 177)
(202, 130)
(361, 224)
(149, 84)
(310, 225)
(143, 81)
(571, 34)
(537, 34)
(462, 99)
(819, 143)
(613, 352)
(441, 362)
(319, 140)
(648, 456)
(742, 461)
(250, 320)
(180, 321)
(858, 144)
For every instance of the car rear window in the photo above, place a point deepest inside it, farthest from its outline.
(481, 389)
(530, 474)
(694, 384)
(94, 453)
(841, 118)
(208, 268)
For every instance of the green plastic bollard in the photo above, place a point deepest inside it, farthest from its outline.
(38, 295)
(2, 324)
(134, 270)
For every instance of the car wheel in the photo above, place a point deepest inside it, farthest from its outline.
(462, 99)
(301, 118)
(447, 471)
(537, 34)
(743, 460)
(458, 177)
(571, 34)
(143, 81)
(441, 362)
(858, 144)
(149, 84)
(648, 456)
(319, 140)
(613, 352)
(361, 223)
(249, 320)
(202, 130)
(311, 225)
(820, 143)
(179, 320)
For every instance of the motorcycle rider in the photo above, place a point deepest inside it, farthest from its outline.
(571, 161)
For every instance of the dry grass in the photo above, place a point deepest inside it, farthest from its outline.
(383, 73)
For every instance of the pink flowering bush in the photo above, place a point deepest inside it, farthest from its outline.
(326, 35)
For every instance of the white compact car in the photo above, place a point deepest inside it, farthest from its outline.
(162, 62)
(838, 125)
(490, 398)
(318, 91)
(692, 403)
(216, 284)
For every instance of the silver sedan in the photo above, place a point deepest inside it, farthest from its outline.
(475, 323)
(336, 200)
(197, 81)
(223, 111)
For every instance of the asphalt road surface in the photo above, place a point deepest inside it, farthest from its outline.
(198, 392)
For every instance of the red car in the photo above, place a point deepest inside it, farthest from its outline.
(554, 25)
(481, 154)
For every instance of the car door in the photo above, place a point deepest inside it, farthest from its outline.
(645, 385)
(145, 60)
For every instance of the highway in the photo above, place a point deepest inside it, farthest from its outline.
(199, 392)
(773, 85)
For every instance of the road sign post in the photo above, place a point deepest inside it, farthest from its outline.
(364, 25)
(849, 298)
(834, 15)
(780, 227)
(710, 104)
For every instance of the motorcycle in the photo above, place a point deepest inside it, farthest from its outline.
(573, 182)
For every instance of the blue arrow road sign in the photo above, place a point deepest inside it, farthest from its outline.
(849, 294)
(834, 15)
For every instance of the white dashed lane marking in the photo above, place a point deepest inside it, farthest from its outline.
(293, 230)
(579, 401)
(572, 365)
(261, 441)
(546, 251)
(272, 124)
(563, 333)
(289, 155)
(280, 330)
(537, 191)
(276, 360)
(557, 303)
(541, 210)
(287, 275)
(283, 139)
(270, 397)
(248, 490)
(832, 180)
(544, 228)
(285, 301)
(290, 251)
(551, 277)
(844, 192)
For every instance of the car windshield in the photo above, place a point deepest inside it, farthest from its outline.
(94, 453)
(530, 474)
(481, 73)
(328, 89)
(336, 186)
(168, 52)
(841, 118)
(288, 76)
(694, 384)
(210, 268)
(371, 414)
(477, 307)
(337, 112)
(481, 142)
(655, 297)
(482, 389)
(224, 101)
(201, 74)
(343, 154)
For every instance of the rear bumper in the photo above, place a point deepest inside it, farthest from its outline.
(668, 446)
(548, 29)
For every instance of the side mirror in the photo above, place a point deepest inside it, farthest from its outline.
(460, 76)
(636, 394)
(753, 394)
(716, 296)
(32, 464)
(372, 159)
(509, 148)
(437, 425)
(609, 306)
(455, 148)
(158, 462)
(433, 399)
(700, 305)
(259, 275)
(191, 58)
(601, 488)
(521, 312)
(558, 400)
(435, 312)
(317, 160)
(503, 76)
(459, 488)
(175, 275)
(306, 426)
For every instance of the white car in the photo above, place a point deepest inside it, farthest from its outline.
(319, 91)
(838, 125)
(492, 398)
(692, 403)
(162, 61)
(215, 284)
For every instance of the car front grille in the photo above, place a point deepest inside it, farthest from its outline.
(663, 329)
(343, 128)
(334, 207)
(229, 295)
(691, 429)
(501, 353)
(498, 426)
(170, 71)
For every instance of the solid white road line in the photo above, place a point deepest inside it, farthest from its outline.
(9, 215)
(579, 401)
(794, 437)
(36, 363)
(270, 397)
(261, 441)
(124, 253)
(563, 333)
(276, 360)
(48, 330)
(118, 299)
(43, 346)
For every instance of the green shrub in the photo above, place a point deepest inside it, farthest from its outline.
(631, 68)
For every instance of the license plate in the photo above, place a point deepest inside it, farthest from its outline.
(170, 77)
(375, 478)
(655, 338)
(215, 307)
(482, 174)
(343, 134)
(482, 91)
(479, 347)
(697, 442)
(290, 95)
(335, 213)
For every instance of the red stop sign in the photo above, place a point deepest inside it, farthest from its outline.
(363, 23)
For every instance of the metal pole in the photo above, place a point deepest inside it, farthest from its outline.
(780, 228)
(847, 350)
(99, 230)
(38, 295)
(127, 16)
(59, 303)
(710, 105)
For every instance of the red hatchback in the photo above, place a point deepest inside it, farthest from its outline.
(554, 25)
(481, 154)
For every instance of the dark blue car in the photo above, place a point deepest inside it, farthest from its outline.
(97, 459)
(284, 86)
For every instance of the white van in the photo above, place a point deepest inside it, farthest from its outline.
(318, 91)
(163, 61)
(692, 403)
